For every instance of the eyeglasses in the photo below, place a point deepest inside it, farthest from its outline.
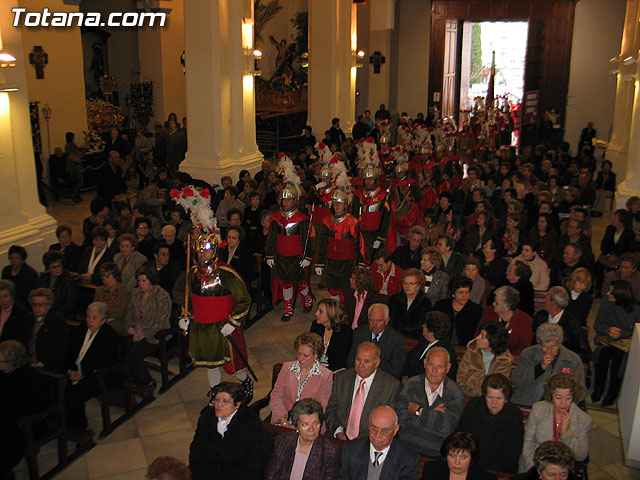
(410, 284)
(315, 424)
(222, 401)
(384, 431)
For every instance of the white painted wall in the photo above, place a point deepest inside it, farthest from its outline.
(597, 33)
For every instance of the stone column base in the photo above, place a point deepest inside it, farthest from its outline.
(212, 172)
(35, 236)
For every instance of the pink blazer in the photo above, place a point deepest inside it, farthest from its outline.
(284, 391)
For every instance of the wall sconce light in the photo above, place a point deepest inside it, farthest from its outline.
(7, 60)
(358, 58)
(629, 60)
(305, 60)
(247, 35)
(257, 55)
(8, 88)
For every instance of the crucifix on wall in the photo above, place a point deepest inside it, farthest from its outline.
(38, 58)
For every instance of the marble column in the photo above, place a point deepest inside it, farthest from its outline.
(23, 220)
(625, 138)
(159, 51)
(220, 89)
(332, 71)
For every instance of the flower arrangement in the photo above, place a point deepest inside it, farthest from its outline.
(94, 141)
(198, 204)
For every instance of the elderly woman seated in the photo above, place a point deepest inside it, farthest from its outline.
(459, 453)
(486, 354)
(94, 347)
(229, 440)
(148, 313)
(538, 362)
(115, 294)
(551, 460)
(128, 259)
(517, 322)
(557, 418)
(462, 312)
(304, 453)
(496, 424)
(304, 378)
(331, 324)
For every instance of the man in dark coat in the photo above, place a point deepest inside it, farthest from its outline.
(229, 440)
(378, 331)
(110, 179)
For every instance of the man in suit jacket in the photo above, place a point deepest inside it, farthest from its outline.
(379, 332)
(575, 338)
(427, 419)
(168, 270)
(379, 456)
(379, 387)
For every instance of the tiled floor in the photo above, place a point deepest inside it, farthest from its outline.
(166, 426)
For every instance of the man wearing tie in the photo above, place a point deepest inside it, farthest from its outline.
(356, 392)
(430, 405)
(378, 332)
(379, 457)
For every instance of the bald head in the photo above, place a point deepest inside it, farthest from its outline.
(383, 426)
(384, 414)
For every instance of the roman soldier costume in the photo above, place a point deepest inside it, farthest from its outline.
(339, 247)
(288, 232)
(370, 206)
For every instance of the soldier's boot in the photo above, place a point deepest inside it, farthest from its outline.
(288, 311)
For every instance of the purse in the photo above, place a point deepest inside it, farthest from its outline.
(623, 344)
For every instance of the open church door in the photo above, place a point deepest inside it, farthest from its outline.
(451, 76)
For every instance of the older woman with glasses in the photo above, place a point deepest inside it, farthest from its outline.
(538, 362)
(557, 418)
(229, 440)
(304, 453)
(408, 307)
(304, 378)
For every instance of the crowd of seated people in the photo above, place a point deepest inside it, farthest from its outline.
(477, 315)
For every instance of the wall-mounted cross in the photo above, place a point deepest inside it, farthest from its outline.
(38, 58)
